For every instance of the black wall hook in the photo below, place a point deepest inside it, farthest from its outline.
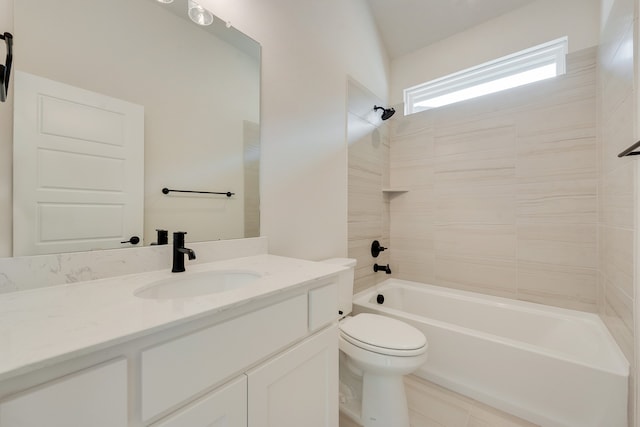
(5, 70)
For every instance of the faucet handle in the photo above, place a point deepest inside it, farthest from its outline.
(376, 248)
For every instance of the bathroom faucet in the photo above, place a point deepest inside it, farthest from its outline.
(179, 251)
(163, 237)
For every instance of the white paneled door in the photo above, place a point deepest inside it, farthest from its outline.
(78, 168)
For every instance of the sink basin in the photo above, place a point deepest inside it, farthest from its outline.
(186, 285)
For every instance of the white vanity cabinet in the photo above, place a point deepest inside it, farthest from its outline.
(95, 397)
(175, 371)
(270, 362)
(224, 407)
(298, 387)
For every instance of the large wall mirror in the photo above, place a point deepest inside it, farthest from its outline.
(199, 87)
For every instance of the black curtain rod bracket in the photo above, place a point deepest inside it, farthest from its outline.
(167, 191)
(629, 151)
(5, 70)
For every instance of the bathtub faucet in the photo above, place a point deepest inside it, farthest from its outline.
(386, 268)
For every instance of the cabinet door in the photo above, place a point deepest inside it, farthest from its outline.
(299, 387)
(174, 372)
(224, 407)
(95, 397)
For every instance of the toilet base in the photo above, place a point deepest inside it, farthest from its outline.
(384, 401)
(372, 399)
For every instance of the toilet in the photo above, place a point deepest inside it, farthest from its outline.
(375, 353)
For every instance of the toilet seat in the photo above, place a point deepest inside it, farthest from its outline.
(383, 335)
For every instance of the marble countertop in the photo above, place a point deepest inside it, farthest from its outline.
(45, 326)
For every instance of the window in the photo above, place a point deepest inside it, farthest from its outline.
(531, 65)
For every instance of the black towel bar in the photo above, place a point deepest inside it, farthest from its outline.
(167, 191)
(629, 151)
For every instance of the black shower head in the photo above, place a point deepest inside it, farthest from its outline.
(386, 112)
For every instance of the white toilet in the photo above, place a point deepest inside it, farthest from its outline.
(375, 352)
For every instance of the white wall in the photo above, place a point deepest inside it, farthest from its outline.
(536, 23)
(309, 47)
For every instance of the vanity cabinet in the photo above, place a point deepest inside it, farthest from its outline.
(298, 387)
(95, 397)
(226, 406)
(272, 362)
(175, 371)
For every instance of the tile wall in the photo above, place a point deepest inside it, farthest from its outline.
(617, 225)
(368, 206)
(502, 192)
(502, 199)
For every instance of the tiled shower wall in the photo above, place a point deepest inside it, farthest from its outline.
(502, 192)
(368, 215)
(617, 125)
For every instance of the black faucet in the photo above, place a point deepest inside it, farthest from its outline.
(163, 237)
(386, 268)
(179, 252)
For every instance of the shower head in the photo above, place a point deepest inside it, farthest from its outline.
(386, 112)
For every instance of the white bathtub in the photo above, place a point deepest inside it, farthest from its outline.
(551, 366)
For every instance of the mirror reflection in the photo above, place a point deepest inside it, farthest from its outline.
(198, 88)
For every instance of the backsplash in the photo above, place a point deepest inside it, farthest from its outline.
(32, 272)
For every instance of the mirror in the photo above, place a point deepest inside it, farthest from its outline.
(200, 89)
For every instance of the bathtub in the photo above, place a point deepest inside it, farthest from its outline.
(553, 367)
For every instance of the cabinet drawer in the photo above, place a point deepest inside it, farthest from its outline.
(225, 406)
(175, 371)
(95, 397)
(323, 306)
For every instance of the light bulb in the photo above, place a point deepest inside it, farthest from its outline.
(199, 14)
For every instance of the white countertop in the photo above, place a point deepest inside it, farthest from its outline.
(45, 326)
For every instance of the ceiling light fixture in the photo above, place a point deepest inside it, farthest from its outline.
(199, 14)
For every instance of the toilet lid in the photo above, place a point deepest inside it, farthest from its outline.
(382, 332)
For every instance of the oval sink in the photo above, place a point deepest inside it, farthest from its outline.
(186, 285)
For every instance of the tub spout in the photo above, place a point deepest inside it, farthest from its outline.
(386, 268)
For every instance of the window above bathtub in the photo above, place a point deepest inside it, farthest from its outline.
(527, 66)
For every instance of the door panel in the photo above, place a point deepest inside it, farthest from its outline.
(79, 168)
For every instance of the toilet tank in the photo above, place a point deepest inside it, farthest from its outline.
(345, 283)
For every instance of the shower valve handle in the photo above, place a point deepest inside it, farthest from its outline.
(376, 248)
